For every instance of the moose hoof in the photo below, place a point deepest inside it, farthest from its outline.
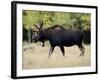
(64, 56)
(43, 45)
(81, 55)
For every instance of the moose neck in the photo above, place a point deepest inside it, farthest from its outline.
(46, 34)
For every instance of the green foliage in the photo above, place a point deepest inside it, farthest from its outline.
(66, 19)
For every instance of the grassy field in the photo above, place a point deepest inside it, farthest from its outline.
(36, 56)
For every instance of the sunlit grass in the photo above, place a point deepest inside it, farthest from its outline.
(36, 56)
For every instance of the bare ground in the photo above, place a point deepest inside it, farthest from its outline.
(36, 56)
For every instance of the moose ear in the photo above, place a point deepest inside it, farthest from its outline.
(34, 30)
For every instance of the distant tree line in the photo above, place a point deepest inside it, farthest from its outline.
(68, 20)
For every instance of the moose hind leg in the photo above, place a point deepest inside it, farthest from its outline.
(62, 50)
(51, 51)
(82, 49)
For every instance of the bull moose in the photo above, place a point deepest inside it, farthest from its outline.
(59, 36)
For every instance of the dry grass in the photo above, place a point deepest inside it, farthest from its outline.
(36, 56)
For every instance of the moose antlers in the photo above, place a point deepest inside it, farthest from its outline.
(40, 25)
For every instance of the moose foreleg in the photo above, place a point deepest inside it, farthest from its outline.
(43, 44)
(51, 51)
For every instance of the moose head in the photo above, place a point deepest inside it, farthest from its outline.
(38, 34)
